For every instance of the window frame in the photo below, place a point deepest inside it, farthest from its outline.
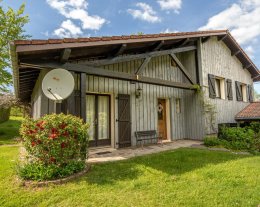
(178, 105)
(244, 92)
(220, 88)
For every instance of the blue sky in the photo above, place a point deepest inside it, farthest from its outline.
(74, 18)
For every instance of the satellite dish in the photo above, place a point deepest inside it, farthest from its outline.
(58, 84)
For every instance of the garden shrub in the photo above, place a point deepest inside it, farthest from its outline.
(212, 141)
(56, 145)
(256, 143)
(4, 114)
(237, 138)
(255, 126)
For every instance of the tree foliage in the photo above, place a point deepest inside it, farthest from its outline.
(256, 95)
(11, 28)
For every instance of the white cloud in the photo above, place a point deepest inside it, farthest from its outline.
(68, 29)
(76, 10)
(242, 19)
(174, 5)
(46, 33)
(250, 51)
(145, 13)
(169, 31)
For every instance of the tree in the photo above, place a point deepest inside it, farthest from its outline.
(11, 28)
(256, 95)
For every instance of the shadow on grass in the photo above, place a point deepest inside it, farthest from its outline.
(9, 130)
(171, 162)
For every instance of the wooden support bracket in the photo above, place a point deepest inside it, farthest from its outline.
(143, 65)
(235, 53)
(223, 37)
(182, 68)
(65, 54)
(158, 46)
(120, 50)
(247, 66)
(205, 39)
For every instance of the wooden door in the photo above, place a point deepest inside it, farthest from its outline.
(124, 121)
(161, 110)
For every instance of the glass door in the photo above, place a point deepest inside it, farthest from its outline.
(98, 116)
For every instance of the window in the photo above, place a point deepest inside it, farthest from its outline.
(244, 95)
(220, 87)
(216, 87)
(178, 105)
(241, 91)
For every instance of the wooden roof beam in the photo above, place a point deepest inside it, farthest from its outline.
(27, 78)
(65, 54)
(113, 74)
(158, 45)
(222, 38)
(182, 68)
(28, 75)
(205, 39)
(182, 42)
(247, 66)
(143, 65)
(26, 87)
(258, 76)
(235, 53)
(126, 58)
(120, 50)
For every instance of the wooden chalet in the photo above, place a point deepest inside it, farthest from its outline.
(125, 84)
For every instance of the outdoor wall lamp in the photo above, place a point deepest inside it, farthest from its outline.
(138, 92)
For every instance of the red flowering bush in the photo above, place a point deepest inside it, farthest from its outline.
(55, 140)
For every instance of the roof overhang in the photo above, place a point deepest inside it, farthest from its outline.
(24, 78)
(246, 118)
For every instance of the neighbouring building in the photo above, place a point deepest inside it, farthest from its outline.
(180, 84)
(249, 114)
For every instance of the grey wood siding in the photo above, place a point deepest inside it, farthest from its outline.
(186, 124)
(39, 101)
(216, 59)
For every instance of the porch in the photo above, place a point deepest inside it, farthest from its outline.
(108, 154)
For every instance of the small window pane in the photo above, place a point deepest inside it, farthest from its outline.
(178, 105)
(218, 95)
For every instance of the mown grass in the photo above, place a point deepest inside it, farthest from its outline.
(184, 177)
(9, 130)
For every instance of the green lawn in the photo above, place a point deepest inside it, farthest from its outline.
(9, 130)
(184, 177)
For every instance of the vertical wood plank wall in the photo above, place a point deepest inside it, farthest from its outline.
(186, 124)
(192, 122)
(217, 60)
(39, 101)
(144, 109)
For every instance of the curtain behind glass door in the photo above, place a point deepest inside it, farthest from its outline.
(103, 117)
(90, 111)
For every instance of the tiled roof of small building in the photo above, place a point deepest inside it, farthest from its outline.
(251, 112)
